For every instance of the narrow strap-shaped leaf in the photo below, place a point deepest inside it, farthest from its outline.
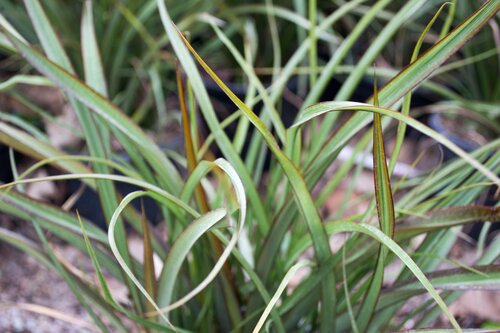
(149, 264)
(198, 173)
(286, 279)
(298, 17)
(352, 319)
(47, 36)
(179, 252)
(383, 191)
(96, 134)
(114, 248)
(27, 144)
(24, 79)
(343, 50)
(82, 158)
(201, 197)
(94, 77)
(475, 278)
(445, 218)
(313, 49)
(385, 212)
(61, 220)
(94, 72)
(419, 70)
(250, 72)
(407, 99)
(404, 14)
(4, 42)
(192, 161)
(95, 263)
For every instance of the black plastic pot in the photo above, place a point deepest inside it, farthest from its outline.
(89, 207)
(436, 122)
(88, 204)
(5, 169)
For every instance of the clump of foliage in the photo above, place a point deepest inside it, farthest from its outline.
(233, 244)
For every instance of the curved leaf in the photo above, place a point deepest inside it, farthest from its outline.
(322, 108)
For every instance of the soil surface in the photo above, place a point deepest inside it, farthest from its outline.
(24, 281)
(28, 288)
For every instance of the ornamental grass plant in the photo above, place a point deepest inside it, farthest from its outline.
(245, 243)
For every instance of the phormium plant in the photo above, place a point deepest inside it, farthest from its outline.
(240, 227)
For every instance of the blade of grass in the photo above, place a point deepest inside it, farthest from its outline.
(386, 218)
(26, 144)
(446, 217)
(354, 325)
(474, 278)
(61, 220)
(94, 73)
(449, 19)
(159, 96)
(407, 99)
(339, 56)
(121, 261)
(24, 79)
(275, 40)
(299, 19)
(4, 41)
(201, 198)
(149, 265)
(192, 161)
(125, 170)
(383, 191)
(250, 72)
(199, 172)
(26, 126)
(178, 253)
(313, 56)
(284, 282)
